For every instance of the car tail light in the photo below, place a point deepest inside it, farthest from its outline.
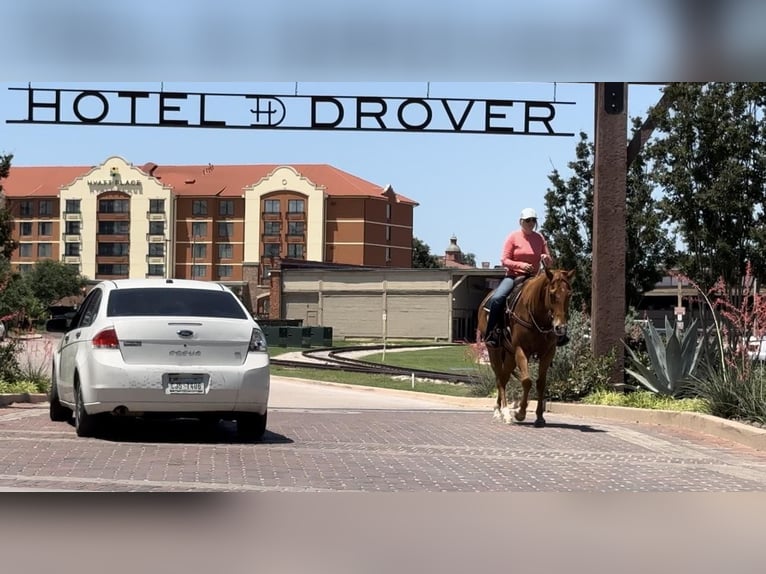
(106, 339)
(257, 342)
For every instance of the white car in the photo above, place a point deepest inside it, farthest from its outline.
(171, 347)
(756, 348)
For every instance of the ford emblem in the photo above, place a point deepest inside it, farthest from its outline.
(185, 333)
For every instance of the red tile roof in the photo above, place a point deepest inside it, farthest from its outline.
(196, 180)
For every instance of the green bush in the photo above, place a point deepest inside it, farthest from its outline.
(10, 370)
(19, 387)
(646, 400)
(575, 371)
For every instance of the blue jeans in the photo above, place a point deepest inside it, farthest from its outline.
(497, 302)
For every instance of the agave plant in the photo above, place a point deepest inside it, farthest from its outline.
(673, 360)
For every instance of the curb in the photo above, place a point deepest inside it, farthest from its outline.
(8, 399)
(733, 431)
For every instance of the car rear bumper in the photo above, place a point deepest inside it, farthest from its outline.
(111, 384)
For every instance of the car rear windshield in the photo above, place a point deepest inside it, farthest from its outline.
(150, 302)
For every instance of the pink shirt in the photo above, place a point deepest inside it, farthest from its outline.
(521, 249)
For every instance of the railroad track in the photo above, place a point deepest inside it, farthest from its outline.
(330, 358)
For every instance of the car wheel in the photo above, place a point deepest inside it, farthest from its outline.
(84, 424)
(58, 412)
(251, 426)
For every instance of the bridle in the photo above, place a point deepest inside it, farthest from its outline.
(534, 323)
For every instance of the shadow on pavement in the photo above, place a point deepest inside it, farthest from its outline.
(180, 431)
(549, 425)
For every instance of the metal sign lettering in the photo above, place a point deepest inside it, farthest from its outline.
(288, 112)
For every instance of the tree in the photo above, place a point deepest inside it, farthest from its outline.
(7, 243)
(53, 280)
(649, 249)
(709, 158)
(569, 220)
(568, 227)
(469, 259)
(421, 255)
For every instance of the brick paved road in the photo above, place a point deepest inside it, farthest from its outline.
(373, 450)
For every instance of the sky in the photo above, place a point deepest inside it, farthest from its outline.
(469, 185)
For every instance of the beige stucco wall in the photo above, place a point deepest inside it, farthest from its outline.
(285, 178)
(141, 189)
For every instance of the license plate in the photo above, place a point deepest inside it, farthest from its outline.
(185, 384)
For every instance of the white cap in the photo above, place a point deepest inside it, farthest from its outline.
(528, 213)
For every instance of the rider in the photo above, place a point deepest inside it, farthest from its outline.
(523, 251)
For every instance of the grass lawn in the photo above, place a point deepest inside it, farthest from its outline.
(382, 381)
(444, 359)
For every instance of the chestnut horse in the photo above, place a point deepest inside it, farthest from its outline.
(531, 328)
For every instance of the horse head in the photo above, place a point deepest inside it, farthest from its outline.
(558, 292)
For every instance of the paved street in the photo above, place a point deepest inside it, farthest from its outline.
(335, 438)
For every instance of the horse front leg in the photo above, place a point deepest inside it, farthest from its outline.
(545, 363)
(526, 384)
(501, 381)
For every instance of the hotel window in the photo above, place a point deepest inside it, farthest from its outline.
(295, 250)
(271, 206)
(114, 249)
(113, 228)
(44, 249)
(295, 228)
(388, 233)
(225, 251)
(45, 228)
(156, 228)
(112, 269)
(25, 228)
(225, 229)
(72, 228)
(295, 206)
(199, 251)
(388, 211)
(266, 273)
(156, 250)
(156, 270)
(25, 250)
(199, 271)
(72, 206)
(272, 227)
(224, 270)
(156, 206)
(199, 229)
(25, 268)
(199, 207)
(271, 250)
(45, 207)
(72, 249)
(114, 206)
(226, 207)
(26, 208)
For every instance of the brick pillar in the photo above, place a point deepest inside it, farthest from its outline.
(608, 282)
(275, 288)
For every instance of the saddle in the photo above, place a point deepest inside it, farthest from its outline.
(510, 302)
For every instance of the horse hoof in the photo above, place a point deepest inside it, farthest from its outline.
(539, 423)
(506, 415)
(519, 416)
(496, 415)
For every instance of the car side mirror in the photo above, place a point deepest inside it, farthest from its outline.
(58, 325)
